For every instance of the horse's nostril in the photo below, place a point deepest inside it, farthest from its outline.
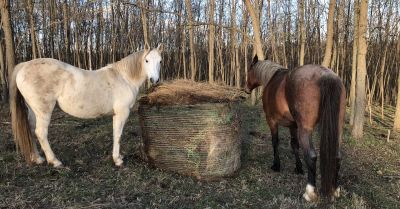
(151, 80)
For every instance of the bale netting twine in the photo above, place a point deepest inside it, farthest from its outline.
(192, 128)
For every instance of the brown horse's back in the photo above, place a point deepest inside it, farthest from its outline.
(303, 93)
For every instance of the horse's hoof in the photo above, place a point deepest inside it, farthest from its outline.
(38, 160)
(118, 162)
(310, 195)
(57, 164)
(336, 194)
(276, 167)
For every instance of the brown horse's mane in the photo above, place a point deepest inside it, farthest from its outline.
(131, 65)
(264, 70)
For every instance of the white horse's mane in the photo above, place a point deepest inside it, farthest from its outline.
(131, 65)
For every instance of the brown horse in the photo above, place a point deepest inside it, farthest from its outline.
(300, 99)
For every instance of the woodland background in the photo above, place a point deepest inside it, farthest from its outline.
(214, 41)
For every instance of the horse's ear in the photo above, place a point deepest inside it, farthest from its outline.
(255, 59)
(146, 47)
(160, 47)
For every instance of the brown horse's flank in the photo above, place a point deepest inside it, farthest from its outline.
(300, 99)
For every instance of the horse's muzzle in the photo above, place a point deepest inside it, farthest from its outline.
(154, 81)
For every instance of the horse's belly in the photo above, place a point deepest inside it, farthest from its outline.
(86, 109)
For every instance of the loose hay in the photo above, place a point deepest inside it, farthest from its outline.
(186, 92)
(192, 129)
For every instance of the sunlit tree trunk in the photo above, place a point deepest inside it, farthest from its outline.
(66, 31)
(256, 28)
(302, 31)
(354, 63)
(30, 6)
(191, 39)
(357, 130)
(329, 35)
(383, 59)
(211, 43)
(396, 126)
(8, 36)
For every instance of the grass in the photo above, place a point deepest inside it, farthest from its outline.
(370, 174)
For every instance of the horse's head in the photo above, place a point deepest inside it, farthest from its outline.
(252, 80)
(152, 62)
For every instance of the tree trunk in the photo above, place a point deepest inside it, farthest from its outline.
(233, 42)
(271, 30)
(383, 59)
(211, 43)
(329, 35)
(188, 5)
(30, 6)
(396, 125)
(144, 24)
(256, 29)
(6, 24)
(354, 63)
(3, 76)
(302, 31)
(357, 131)
(66, 31)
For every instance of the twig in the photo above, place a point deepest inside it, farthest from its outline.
(388, 136)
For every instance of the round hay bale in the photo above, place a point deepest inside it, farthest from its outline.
(196, 138)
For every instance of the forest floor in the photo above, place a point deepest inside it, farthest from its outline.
(370, 174)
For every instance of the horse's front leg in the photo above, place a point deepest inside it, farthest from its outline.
(276, 166)
(119, 120)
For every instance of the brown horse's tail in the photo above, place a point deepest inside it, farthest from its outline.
(331, 89)
(19, 119)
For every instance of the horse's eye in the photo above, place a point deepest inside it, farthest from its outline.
(160, 61)
(147, 61)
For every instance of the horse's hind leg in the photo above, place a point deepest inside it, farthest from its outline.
(43, 116)
(36, 158)
(310, 157)
(276, 166)
(294, 143)
(119, 120)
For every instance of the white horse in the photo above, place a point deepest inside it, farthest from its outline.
(37, 85)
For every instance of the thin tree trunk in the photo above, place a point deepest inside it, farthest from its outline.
(357, 131)
(302, 31)
(9, 42)
(144, 23)
(66, 31)
(383, 59)
(211, 43)
(3, 76)
(233, 42)
(396, 125)
(188, 5)
(30, 6)
(272, 33)
(329, 35)
(258, 46)
(220, 41)
(354, 63)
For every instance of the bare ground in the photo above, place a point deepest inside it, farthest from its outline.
(370, 174)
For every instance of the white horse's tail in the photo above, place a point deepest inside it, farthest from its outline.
(19, 119)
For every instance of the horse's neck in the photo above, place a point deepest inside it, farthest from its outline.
(133, 76)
